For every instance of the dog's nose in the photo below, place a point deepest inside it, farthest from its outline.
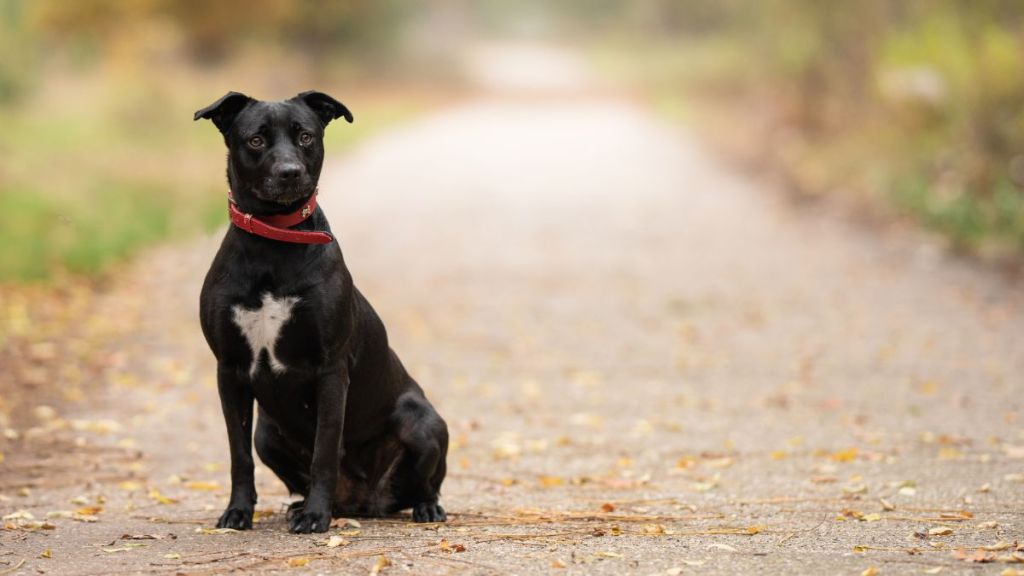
(288, 171)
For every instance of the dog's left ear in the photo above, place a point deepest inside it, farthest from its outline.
(326, 108)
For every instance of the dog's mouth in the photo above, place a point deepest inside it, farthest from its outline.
(283, 194)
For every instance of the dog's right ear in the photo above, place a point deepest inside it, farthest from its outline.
(223, 111)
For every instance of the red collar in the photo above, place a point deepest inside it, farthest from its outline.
(276, 226)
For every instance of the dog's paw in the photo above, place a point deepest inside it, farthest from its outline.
(305, 521)
(236, 518)
(428, 512)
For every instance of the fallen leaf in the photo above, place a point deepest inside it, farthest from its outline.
(159, 498)
(215, 530)
(870, 571)
(557, 564)
(259, 515)
(382, 563)
(202, 486)
(607, 554)
(46, 553)
(550, 481)
(705, 486)
(341, 522)
(173, 556)
(855, 489)
(725, 547)
(978, 556)
(335, 541)
(124, 548)
(607, 507)
(941, 531)
(141, 537)
(848, 455)
(447, 546)
(886, 505)
(298, 562)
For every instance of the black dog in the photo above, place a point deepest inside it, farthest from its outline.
(340, 420)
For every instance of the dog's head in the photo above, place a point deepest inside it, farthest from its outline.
(275, 149)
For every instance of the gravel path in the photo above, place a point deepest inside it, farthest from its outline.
(649, 365)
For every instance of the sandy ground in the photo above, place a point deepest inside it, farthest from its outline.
(649, 364)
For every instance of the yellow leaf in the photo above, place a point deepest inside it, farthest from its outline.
(89, 510)
(382, 563)
(942, 531)
(778, 455)
(155, 495)
(298, 562)
(261, 514)
(202, 486)
(870, 571)
(173, 556)
(551, 481)
(606, 554)
(46, 553)
(848, 455)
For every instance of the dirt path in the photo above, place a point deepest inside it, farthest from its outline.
(648, 364)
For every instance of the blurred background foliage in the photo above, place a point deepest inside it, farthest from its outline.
(906, 106)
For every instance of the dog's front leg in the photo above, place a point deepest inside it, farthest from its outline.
(331, 394)
(236, 401)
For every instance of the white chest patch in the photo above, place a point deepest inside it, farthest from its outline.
(262, 326)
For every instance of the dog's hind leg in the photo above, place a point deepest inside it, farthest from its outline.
(280, 456)
(425, 437)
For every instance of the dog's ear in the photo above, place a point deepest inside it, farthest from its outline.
(326, 108)
(223, 111)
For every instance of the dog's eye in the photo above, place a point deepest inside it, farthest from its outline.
(305, 138)
(256, 142)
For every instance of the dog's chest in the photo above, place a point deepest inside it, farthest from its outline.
(261, 328)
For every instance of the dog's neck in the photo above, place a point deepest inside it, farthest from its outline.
(303, 225)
